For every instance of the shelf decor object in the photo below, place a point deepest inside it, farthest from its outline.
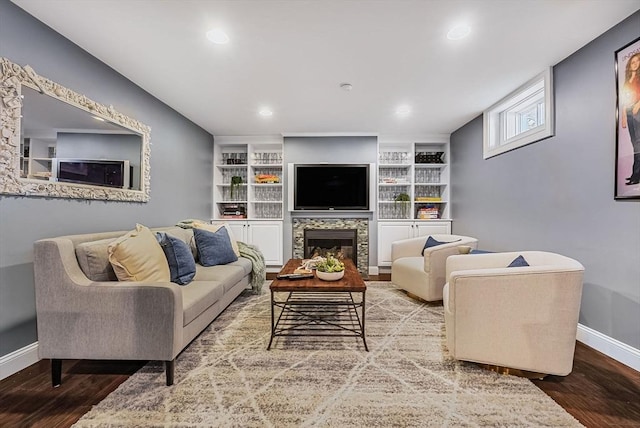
(236, 182)
(329, 269)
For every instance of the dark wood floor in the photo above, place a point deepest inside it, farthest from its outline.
(600, 392)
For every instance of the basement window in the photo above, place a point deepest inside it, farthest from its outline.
(522, 117)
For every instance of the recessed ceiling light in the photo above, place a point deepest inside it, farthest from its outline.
(459, 32)
(217, 36)
(403, 110)
(346, 86)
(265, 112)
(98, 118)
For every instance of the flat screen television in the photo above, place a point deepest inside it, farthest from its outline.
(108, 173)
(331, 187)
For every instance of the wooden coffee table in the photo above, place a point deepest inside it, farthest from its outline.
(313, 307)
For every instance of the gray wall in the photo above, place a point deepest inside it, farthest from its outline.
(557, 194)
(331, 150)
(181, 168)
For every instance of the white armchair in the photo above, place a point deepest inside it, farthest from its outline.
(424, 276)
(522, 318)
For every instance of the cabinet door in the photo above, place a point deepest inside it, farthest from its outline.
(388, 233)
(423, 229)
(239, 230)
(267, 236)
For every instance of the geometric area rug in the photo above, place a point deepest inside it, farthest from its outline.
(227, 378)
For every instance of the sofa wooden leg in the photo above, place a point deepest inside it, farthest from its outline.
(56, 372)
(170, 369)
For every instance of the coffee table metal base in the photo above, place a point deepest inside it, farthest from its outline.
(308, 313)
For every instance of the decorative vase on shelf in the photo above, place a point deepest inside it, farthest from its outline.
(236, 181)
(401, 204)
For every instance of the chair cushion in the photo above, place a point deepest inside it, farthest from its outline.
(214, 248)
(182, 265)
(137, 256)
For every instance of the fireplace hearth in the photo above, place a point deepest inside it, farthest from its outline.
(341, 229)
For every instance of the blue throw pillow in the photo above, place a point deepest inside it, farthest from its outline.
(480, 252)
(182, 266)
(214, 248)
(431, 243)
(518, 262)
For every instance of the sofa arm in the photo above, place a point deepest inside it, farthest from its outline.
(81, 319)
(411, 247)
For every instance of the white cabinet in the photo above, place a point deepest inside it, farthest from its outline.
(389, 232)
(257, 160)
(266, 235)
(247, 178)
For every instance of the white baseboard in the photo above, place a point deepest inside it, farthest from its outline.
(627, 355)
(373, 270)
(18, 360)
(613, 348)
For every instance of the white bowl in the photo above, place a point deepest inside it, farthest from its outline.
(329, 276)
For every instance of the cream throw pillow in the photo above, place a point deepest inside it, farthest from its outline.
(214, 228)
(137, 256)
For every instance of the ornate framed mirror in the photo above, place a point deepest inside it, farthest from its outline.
(55, 142)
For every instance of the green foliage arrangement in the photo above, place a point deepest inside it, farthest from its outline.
(330, 264)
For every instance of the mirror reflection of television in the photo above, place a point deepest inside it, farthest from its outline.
(331, 187)
(107, 173)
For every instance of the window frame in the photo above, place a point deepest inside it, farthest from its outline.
(495, 118)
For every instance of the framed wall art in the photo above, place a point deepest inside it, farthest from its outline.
(627, 65)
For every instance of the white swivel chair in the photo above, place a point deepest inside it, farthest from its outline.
(523, 318)
(424, 275)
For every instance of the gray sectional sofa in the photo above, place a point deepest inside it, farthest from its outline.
(84, 312)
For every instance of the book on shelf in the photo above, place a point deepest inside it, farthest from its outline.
(234, 211)
(428, 213)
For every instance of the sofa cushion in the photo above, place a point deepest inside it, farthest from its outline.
(518, 262)
(182, 265)
(198, 296)
(93, 258)
(228, 275)
(137, 256)
(214, 228)
(214, 248)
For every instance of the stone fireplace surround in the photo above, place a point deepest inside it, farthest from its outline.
(359, 224)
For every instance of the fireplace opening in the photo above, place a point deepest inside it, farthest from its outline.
(342, 243)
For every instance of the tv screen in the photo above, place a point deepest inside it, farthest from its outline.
(331, 187)
(100, 173)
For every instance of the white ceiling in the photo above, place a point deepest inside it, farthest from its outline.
(292, 55)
